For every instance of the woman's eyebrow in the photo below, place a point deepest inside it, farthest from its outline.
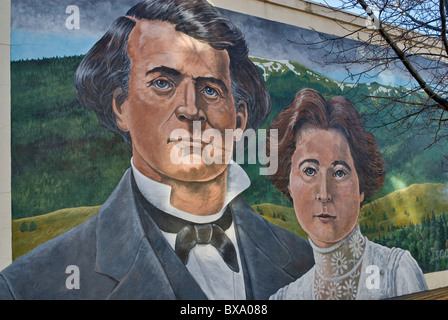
(342, 163)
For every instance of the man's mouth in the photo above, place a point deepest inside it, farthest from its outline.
(185, 143)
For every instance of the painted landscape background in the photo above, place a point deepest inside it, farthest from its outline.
(64, 164)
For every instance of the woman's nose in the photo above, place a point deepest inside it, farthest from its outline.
(324, 194)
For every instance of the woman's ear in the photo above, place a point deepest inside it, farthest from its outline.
(120, 111)
(361, 198)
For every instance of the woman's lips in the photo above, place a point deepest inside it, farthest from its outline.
(324, 217)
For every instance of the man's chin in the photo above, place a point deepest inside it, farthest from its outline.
(198, 172)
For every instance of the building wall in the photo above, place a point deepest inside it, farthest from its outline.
(5, 158)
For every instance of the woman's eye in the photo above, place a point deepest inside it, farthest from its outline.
(161, 84)
(310, 171)
(209, 91)
(340, 174)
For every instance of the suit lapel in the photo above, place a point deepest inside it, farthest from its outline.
(144, 267)
(264, 256)
(183, 284)
(119, 232)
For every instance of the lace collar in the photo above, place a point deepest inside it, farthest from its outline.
(337, 268)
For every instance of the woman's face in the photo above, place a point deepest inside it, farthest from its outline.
(324, 186)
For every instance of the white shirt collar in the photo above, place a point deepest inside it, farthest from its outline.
(159, 194)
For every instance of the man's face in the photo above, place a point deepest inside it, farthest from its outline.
(176, 83)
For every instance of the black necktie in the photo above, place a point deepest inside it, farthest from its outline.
(210, 233)
(190, 234)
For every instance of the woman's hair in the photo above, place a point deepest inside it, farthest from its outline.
(107, 66)
(310, 107)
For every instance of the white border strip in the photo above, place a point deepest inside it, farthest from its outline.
(5, 135)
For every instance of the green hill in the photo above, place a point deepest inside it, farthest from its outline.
(284, 217)
(28, 233)
(403, 207)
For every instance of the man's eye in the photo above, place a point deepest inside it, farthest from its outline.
(310, 171)
(340, 174)
(209, 91)
(161, 84)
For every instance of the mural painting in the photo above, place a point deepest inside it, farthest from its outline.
(153, 149)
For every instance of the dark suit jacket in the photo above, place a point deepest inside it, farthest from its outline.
(118, 260)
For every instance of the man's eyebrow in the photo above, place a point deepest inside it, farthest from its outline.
(163, 69)
(218, 82)
(309, 160)
(342, 163)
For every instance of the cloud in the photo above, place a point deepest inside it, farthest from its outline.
(39, 30)
(49, 16)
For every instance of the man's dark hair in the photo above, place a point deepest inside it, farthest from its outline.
(106, 67)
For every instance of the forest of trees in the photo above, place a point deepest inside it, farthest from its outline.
(427, 242)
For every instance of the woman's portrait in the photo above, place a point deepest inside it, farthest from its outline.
(328, 166)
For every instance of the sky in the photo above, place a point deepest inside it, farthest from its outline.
(45, 29)
(38, 28)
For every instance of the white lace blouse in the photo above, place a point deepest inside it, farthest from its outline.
(356, 268)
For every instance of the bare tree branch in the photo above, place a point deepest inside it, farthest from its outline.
(406, 39)
(400, 54)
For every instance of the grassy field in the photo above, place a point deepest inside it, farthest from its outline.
(284, 217)
(403, 207)
(46, 227)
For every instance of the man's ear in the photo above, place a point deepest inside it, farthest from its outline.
(241, 115)
(120, 111)
(289, 191)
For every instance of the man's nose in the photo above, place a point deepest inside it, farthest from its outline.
(325, 189)
(189, 110)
